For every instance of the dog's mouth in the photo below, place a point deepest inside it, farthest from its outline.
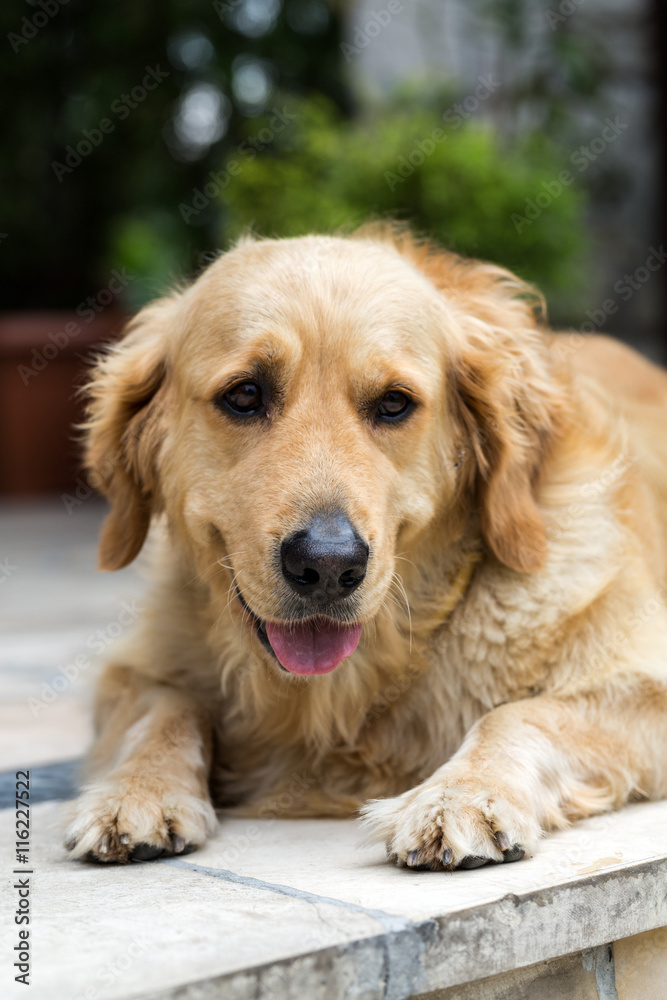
(313, 646)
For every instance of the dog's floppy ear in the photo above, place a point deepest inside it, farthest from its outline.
(506, 400)
(124, 432)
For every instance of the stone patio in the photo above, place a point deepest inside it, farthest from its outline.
(279, 908)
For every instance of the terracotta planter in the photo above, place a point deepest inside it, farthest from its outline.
(43, 358)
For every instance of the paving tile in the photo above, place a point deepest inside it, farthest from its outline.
(51, 604)
(120, 931)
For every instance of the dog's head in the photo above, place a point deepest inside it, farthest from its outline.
(308, 410)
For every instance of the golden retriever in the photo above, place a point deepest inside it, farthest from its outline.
(409, 546)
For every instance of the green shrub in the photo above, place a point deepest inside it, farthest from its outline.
(323, 173)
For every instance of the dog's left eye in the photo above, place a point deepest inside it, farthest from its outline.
(393, 405)
(245, 398)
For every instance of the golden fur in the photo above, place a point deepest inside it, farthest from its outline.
(511, 671)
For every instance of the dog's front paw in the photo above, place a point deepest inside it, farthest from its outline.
(456, 823)
(125, 819)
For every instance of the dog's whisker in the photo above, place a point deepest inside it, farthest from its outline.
(201, 575)
(222, 565)
(231, 596)
(230, 555)
(210, 576)
(405, 559)
(396, 578)
(206, 574)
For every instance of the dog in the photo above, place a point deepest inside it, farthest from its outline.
(408, 549)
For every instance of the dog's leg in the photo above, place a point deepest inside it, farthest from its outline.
(527, 767)
(148, 787)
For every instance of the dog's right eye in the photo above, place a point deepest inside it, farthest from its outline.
(244, 398)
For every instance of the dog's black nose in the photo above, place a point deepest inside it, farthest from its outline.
(326, 560)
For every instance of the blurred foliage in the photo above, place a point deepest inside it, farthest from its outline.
(229, 63)
(66, 66)
(464, 188)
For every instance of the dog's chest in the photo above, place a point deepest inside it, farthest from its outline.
(328, 756)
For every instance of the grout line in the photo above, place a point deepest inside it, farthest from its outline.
(391, 923)
(601, 961)
(48, 782)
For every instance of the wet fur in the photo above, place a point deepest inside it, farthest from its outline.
(511, 673)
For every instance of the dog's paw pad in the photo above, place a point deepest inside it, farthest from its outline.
(146, 852)
(473, 861)
(515, 853)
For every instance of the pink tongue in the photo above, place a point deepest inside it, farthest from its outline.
(314, 647)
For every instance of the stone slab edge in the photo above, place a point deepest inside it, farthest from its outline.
(485, 940)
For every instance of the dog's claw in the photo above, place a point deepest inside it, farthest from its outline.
(178, 844)
(413, 862)
(447, 857)
(124, 838)
(146, 852)
(102, 847)
(71, 844)
(502, 841)
(473, 861)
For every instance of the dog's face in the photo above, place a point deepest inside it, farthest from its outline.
(303, 414)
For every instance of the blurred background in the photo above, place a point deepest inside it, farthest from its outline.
(140, 138)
